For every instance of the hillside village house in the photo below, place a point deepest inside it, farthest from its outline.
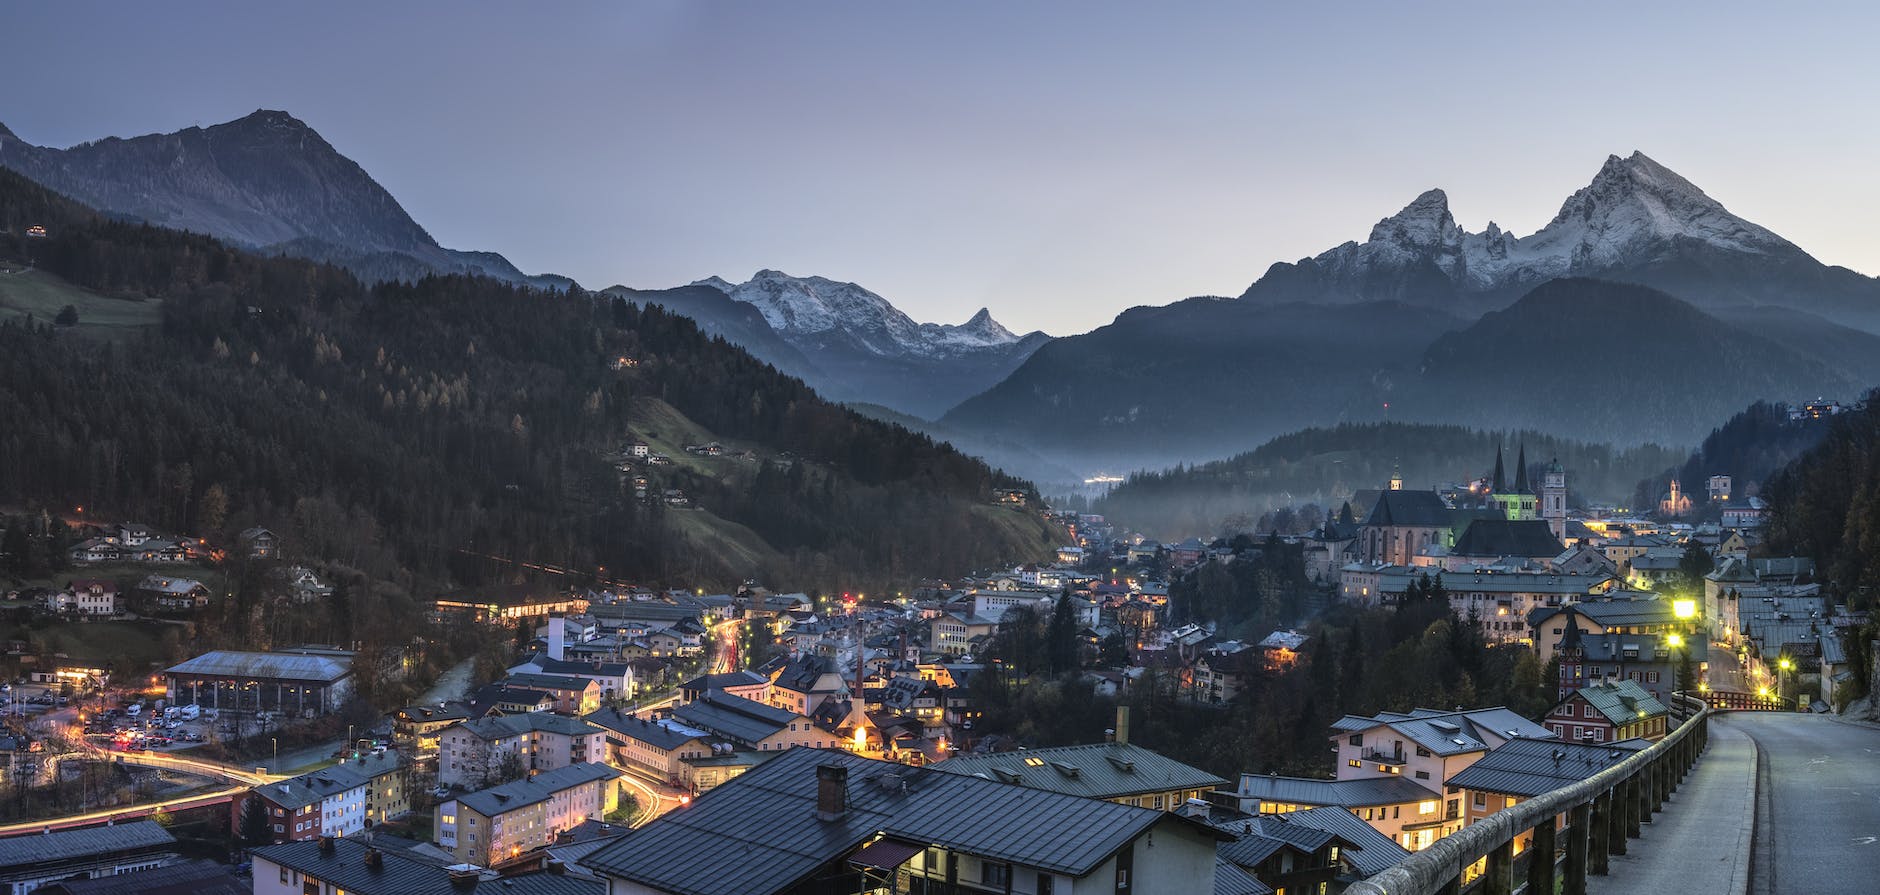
(259, 542)
(753, 725)
(1607, 712)
(87, 596)
(572, 695)
(955, 633)
(829, 821)
(501, 824)
(170, 593)
(337, 801)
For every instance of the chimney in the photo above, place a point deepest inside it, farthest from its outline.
(1195, 808)
(374, 860)
(1122, 724)
(326, 845)
(832, 792)
(464, 877)
(557, 637)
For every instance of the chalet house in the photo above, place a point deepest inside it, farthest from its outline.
(1548, 625)
(172, 594)
(259, 542)
(1608, 712)
(96, 550)
(829, 821)
(1649, 660)
(1750, 513)
(746, 684)
(1411, 815)
(88, 596)
(753, 725)
(653, 746)
(1222, 671)
(1280, 649)
(519, 700)
(134, 534)
(571, 695)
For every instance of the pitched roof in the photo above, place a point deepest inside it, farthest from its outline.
(314, 786)
(531, 790)
(1528, 768)
(1452, 733)
(1097, 771)
(1507, 537)
(667, 734)
(198, 877)
(1341, 793)
(1621, 701)
(532, 681)
(723, 681)
(271, 665)
(1231, 880)
(399, 874)
(498, 727)
(767, 819)
(1420, 508)
(734, 716)
(60, 845)
(1368, 850)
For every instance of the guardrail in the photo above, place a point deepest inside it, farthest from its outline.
(1602, 812)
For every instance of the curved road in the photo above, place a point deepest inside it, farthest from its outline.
(1817, 804)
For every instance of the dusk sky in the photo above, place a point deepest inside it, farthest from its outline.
(1057, 163)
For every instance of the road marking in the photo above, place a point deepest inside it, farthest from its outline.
(1866, 840)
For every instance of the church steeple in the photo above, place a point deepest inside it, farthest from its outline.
(1500, 482)
(1520, 472)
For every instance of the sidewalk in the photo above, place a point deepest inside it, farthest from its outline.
(1700, 841)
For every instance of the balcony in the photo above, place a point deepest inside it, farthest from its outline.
(1387, 758)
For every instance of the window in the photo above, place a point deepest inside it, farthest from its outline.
(1046, 882)
(996, 875)
(1353, 763)
(1480, 801)
(1508, 802)
(1357, 739)
(1423, 775)
(1396, 811)
(283, 869)
(1426, 807)
(1422, 752)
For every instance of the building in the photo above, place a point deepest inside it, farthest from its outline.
(826, 821)
(259, 542)
(501, 824)
(1117, 772)
(1608, 712)
(510, 604)
(1519, 770)
(753, 725)
(1411, 815)
(1403, 524)
(1650, 660)
(659, 747)
(747, 684)
(806, 682)
(572, 695)
(341, 800)
(1504, 542)
(89, 596)
(197, 877)
(1500, 602)
(1548, 625)
(306, 682)
(415, 729)
(472, 753)
(172, 594)
(31, 861)
(957, 633)
(329, 867)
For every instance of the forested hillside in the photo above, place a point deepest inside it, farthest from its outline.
(1325, 465)
(1750, 447)
(388, 426)
(1826, 504)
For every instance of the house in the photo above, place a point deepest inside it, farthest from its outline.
(415, 728)
(1410, 814)
(653, 746)
(336, 801)
(30, 862)
(1222, 672)
(639, 450)
(1510, 542)
(753, 725)
(196, 877)
(96, 550)
(499, 825)
(1500, 602)
(473, 752)
(803, 685)
(1117, 772)
(1607, 712)
(259, 542)
(747, 684)
(307, 681)
(172, 594)
(89, 596)
(954, 633)
(1548, 625)
(1519, 770)
(614, 679)
(134, 534)
(829, 821)
(303, 586)
(1280, 649)
(358, 868)
(572, 695)
(1649, 660)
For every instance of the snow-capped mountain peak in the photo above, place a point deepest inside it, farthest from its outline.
(1635, 211)
(818, 309)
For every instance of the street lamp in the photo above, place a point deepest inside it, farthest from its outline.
(276, 743)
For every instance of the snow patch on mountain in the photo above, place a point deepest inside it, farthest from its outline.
(822, 309)
(1635, 210)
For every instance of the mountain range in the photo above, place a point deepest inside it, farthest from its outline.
(265, 182)
(851, 344)
(1643, 311)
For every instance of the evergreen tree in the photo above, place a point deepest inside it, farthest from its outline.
(254, 828)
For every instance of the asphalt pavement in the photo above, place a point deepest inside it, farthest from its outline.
(1700, 842)
(1817, 806)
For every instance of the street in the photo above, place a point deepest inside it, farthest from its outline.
(1817, 804)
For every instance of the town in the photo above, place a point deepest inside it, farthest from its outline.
(876, 725)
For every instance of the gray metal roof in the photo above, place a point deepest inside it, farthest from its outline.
(198, 877)
(668, 735)
(539, 788)
(734, 716)
(1368, 850)
(498, 727)
(1342, 793)
(759, 833)
(236, 664)
(398, 874)
(531, 681)
(1231, 880)
(1096, 771)
(1621, 701)
(314, 786)
(1528, 768)
(62, 845)
(1452, 733)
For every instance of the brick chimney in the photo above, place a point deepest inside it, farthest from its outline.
(832, 792)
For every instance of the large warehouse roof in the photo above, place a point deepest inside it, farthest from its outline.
(274, 666)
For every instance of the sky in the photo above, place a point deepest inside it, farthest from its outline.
(1055, 162)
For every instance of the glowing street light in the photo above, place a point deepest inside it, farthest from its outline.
(1684, 609)
(1784, 664)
